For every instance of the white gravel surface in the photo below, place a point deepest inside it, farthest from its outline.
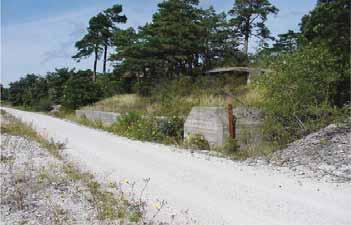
(208, 189)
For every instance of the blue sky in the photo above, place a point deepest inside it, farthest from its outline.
(39, 35)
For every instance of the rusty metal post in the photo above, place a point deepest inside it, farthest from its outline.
(231, 117)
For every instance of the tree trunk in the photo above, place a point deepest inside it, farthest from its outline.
(95, 65)
(247, 35)
(246, 45)
(105, 59)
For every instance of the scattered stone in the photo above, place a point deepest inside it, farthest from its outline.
(36, 190)
(325, 154)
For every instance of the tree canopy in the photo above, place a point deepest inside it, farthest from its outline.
(99, 36)
(249, 18)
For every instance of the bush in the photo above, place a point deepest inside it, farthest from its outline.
(28, 91)
(147, 128)
(110, 85)
(80, 90)
(44, 105)
(300, 94)
(196, 142)
(230, 146)
(135, 126)
(171, 127)
(56, 83)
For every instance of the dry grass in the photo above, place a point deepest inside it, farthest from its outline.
(15, 127)
(110, 203)
(177, 97)
(253, 97)
(121, 103)
(179, 105)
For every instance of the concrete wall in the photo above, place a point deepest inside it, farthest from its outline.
(248, 125)
(211, 122)
(106, 118)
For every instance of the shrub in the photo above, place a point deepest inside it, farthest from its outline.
(171, 127)
(135, 126)
(196, 142)
(230, 146)
(28, 90)
(56, 83)
(300, 93)
(147, 128)
(80, 90)
(110, 85)
(43, 105)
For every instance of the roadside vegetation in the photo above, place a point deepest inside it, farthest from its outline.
(32, 180)
(159, 70)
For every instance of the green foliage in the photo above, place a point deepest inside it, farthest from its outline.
(133, 125)
(28, 91)
(196, 142)
(44, 105)
(301, 93)
(249, 18)
(56, 83)
(171, 127)
(148, 128)
(182, 39)
(230, 146)
(110, 85)
(63, 86)
(329, 23)
(4, 93)
(80, 90)
(178, 96)
(98, 38)
(285, 43)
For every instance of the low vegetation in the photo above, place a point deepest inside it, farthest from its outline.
(15, 127)
(177, 97)
(110, 206)
(305, 92)
(196, 142)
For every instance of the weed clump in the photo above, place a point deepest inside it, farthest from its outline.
(196, 142)
(149, 128)
(230, 146)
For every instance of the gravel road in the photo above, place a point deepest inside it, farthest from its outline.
(208, 189)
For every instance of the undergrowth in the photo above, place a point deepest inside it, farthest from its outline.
(177, 97)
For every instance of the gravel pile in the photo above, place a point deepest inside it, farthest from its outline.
(325, 155)
(35, 189)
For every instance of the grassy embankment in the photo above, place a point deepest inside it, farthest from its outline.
(174, 99)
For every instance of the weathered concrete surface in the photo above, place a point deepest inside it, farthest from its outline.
(249, 123)
(107, 118)
(211, 122)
